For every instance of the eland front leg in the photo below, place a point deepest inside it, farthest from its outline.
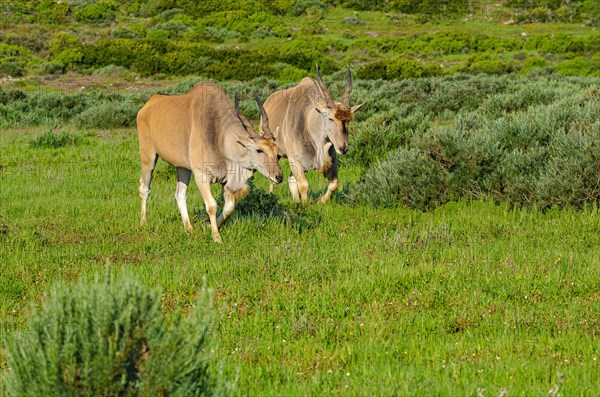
(331, 173)
(230, 199)
(210, 204)
(298, 183)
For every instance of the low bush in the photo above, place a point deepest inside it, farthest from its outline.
(574, 67)
(109, 337)
(391, 69)
(489, 64)
(406, 177)
(104, 11)
(11, 68)
(53, 68)
(49, 11)
(51, 139)
(372, 139)
(108, 115)
(532, 63)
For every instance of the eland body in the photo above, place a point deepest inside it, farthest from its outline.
(204, 134)
(311, 129)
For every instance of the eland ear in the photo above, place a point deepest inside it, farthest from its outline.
(246, 142)
(356, 107)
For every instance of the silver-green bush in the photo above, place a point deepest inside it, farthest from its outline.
(110, 338)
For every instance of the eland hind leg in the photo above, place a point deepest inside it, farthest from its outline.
(183, 180)
(148, 164)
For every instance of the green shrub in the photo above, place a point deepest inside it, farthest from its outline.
(51, 139)
(391, 69)
(353, 21)
(290, 74)
(11, 68)
(63, 41)
(107, 115)
(69, 57)
(406, 177)
(303, 53)
(372, 139)
(109, 337)
(403, 68)
(372, 70)
(571, 176)
(171, 26)
(246, 66)
(489, 64)
(301, 7)
(559, 43)
(158, 35)
(53, 68)
(219, 35)
(49, 11)
(574, 67)
(532, 94)
(533, 63)
(103, 11)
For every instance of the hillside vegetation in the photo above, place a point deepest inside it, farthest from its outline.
(283, 39)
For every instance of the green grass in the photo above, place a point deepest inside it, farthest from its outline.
(341, 301)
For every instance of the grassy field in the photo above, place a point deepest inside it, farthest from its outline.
(335, 299)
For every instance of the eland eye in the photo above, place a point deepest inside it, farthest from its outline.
(259, 151)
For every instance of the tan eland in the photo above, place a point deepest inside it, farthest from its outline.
(310, 130)
(202, 133)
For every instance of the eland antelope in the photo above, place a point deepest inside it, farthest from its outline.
(310, 130)
(202, 133)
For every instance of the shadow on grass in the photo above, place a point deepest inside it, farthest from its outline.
(260, 204)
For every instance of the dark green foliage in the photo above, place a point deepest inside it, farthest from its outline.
(11, 68)
(301, 7)
(392, 69)
(12, 59)
(559, 43)
(51, 139)
(53, 68)
(49, 11)
(109, 337)
(259, 203)
(517, 141)
(103, 11)
(53, 109)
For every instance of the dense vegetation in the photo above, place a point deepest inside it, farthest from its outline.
(283, 39)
